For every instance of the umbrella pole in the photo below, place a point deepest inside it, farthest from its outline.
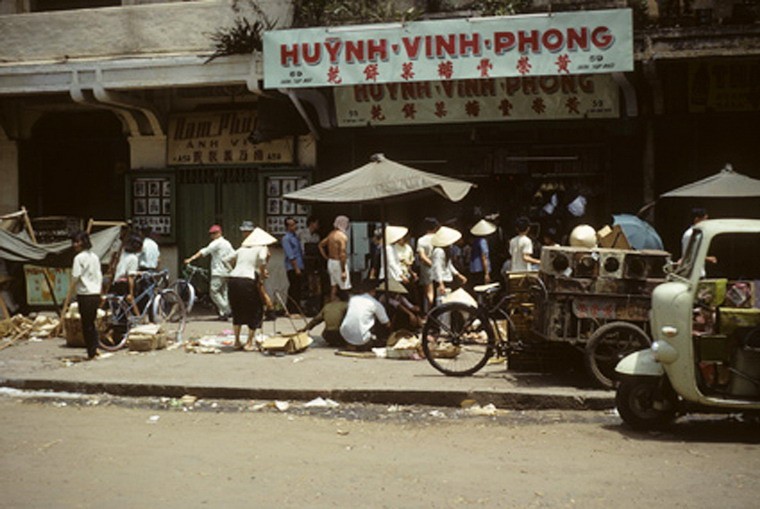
(384, 253)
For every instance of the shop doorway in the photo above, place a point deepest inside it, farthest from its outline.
(206, 196)
(74, 165)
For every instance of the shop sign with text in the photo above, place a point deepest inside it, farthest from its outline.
(494, 100)
(222, 138)
(588, 42)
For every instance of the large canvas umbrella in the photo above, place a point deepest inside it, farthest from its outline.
(380, 181)
(724, 184)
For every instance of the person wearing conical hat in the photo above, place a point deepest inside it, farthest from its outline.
(245, 281)
(424, 252)
(480, 260)
(443, 270)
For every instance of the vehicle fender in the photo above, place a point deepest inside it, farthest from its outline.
(640, 363)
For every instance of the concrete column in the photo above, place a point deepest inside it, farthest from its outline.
(147, 152)
(8, 176)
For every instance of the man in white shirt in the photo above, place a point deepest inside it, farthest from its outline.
(424, 252)
(366, 322)
(521, 247)
(220, 249)
(150, 254)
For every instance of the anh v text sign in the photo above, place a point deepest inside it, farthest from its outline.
(588, 42)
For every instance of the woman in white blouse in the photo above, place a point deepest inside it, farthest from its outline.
(244, 284)
(442, 270)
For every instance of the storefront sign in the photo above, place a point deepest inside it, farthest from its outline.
(724, 85)
(222, 138)
(37, 288)
(504, 99)
(586, 42)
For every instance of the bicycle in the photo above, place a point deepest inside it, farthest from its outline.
(155, 303)
(458, 339)
(187, 290)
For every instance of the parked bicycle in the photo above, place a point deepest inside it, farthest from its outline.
(154, 303)
(193, 277)
(458, 339)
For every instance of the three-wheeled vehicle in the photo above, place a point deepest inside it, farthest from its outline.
(705, 322)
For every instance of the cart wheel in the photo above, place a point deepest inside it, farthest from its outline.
(112, 337)
(457, 339)
(608, 345)
(646, 403)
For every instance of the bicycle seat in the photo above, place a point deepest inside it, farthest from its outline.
(491, 287)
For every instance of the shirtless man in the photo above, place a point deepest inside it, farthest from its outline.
(333, 248)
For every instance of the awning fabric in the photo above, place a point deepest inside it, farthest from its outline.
(18, 247)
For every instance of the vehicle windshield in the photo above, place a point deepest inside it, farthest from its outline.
(686, 266)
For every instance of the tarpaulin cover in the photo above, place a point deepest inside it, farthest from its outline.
(725, 184)
(378, 180)
(19, 248)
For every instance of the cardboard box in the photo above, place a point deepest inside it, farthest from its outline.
(144, 338)
(613, 237)
(287, 343)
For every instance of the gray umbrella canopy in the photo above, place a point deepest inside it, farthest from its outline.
(378, 180)
(725, 184)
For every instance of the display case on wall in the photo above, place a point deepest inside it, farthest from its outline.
(278, 208)
(151, 202)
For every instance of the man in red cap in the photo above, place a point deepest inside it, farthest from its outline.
(219, 248)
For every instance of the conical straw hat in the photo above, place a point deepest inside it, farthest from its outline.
(394, 233)
(258, 237)
(483, 228)
(393, 286)
(445, 236)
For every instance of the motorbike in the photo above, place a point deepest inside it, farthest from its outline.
(705, 326)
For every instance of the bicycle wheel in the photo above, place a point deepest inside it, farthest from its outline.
(169, 311)
(608, 345)
(186, 292)
(457, 339)
(112, 331)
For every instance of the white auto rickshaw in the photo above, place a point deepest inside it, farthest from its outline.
(705, 323)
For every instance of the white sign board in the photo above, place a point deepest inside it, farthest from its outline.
(551, 44)
(500, 100)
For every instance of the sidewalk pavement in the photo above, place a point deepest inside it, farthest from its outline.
(315, 372)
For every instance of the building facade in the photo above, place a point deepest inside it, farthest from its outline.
(136, 109)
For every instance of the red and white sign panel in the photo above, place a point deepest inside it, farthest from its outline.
(493, 100)
(588, 42)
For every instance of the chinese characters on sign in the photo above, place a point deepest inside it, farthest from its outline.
(222, 138)
(484, 100)
(278, 208)
(152, 203)
(589, 42)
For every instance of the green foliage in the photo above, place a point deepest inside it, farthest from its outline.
(312, 13)
(240, 39)
(498, 7)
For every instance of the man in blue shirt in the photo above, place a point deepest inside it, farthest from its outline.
(293, 265)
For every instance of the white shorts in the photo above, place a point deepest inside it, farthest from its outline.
(335, 272)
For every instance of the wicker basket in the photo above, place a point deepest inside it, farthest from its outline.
(73, 323)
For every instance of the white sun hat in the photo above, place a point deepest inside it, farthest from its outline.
(445, 236)
(258, 237)
(393, 286)
(583, 235)
(483, 228)
(395, 233)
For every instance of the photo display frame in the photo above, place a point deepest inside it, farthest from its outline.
(278, 208)
(152, 203)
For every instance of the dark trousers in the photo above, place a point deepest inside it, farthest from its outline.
(295, 289)
(88, 311)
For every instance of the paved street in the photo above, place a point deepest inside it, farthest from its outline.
(94, 452)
